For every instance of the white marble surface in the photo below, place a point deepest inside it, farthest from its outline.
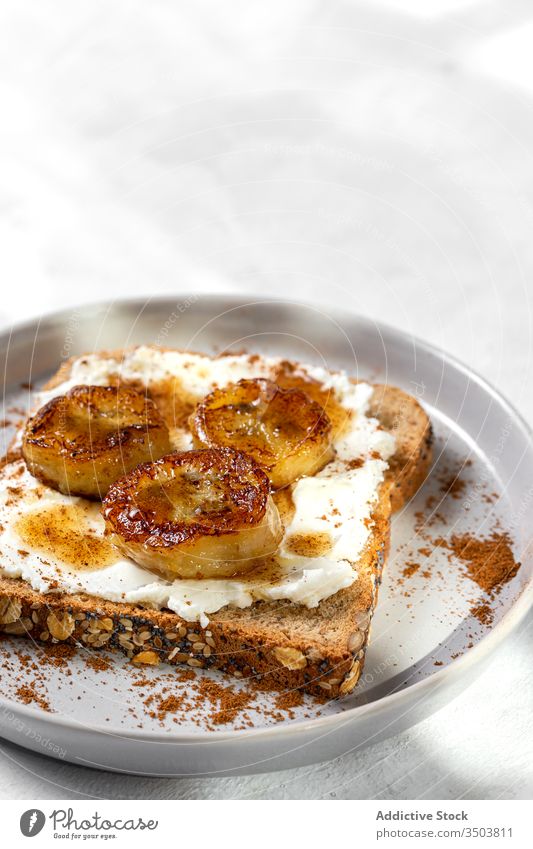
(374, 155)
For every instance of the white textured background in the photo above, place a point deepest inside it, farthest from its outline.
(377, 155)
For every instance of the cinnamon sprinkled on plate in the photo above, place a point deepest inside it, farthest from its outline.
(483, 613)
(488, 562)
(28, 694)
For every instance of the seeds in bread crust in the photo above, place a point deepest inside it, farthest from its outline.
(314, 655)
(60, 625)
(355, 641)
(178, 656)
(351, 679)
(150, 658)
(10, 610)
(363, 620)
(290, 658)
(17, 628)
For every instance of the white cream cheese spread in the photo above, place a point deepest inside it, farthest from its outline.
(337, 502)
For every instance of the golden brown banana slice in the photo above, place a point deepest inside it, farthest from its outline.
(80, 442)
(284, 430)
(290, 376)
(194, 514)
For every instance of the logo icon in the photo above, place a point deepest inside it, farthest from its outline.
(32, 822)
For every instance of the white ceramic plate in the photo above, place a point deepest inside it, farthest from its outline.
(425, 645)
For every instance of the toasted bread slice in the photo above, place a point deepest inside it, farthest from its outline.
(282, 644)
(406, 419)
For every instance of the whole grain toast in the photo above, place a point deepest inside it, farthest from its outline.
(281, 644)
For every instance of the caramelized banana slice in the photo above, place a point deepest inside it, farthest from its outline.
(289, 376)
(79, 443)
(284, 430)
(194, 514)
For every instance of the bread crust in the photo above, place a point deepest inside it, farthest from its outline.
(280, 644)
(406, 419)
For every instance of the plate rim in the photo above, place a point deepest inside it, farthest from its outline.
(472, 658)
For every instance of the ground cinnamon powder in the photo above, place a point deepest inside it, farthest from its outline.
(28, 694)
(56, 654)
(98, 663)
(453, 486)
(489, 562)
(483, 613)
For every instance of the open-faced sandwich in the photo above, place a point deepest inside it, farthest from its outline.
(227, 512)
